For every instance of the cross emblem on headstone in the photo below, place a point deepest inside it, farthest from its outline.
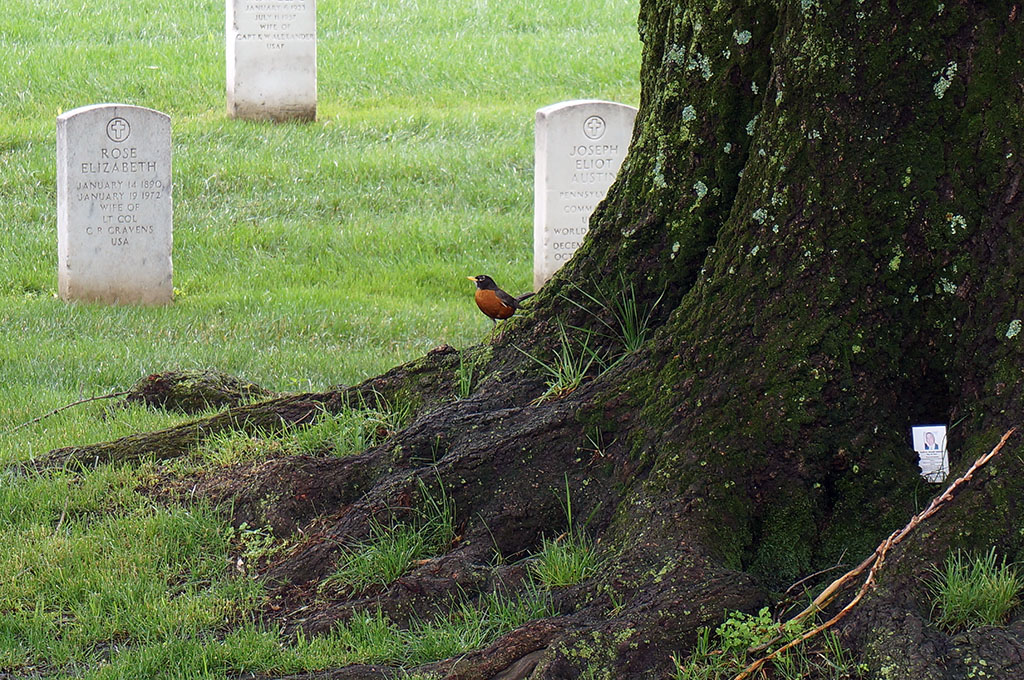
(593, 127)
(118, 129)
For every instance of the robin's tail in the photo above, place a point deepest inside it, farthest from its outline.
(524, 296)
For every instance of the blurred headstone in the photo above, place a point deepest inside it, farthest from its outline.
(271, 59)
(578, 148)
(114, 213)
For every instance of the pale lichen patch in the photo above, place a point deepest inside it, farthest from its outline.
(701, 63)
(945, 79)
(894, 263)
(956, 223)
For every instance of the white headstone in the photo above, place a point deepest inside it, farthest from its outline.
(114, 205)
(271, 59)
(579, 146)
(932, 457)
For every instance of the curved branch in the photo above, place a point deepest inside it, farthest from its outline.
(65, 407)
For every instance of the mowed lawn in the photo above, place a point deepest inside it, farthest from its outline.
(305, 256)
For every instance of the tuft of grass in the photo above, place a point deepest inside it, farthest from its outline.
(231, 447)
(570, 365)
(568, 559)
(436, 518)
(464, 374)
(351, 430)
(394, 547)
(704, 662)
(565, 561)
(631, 321)
(634, 322)
(465, 626)
(971, 592)
(472, 625)
(508, 611)
(388, 554)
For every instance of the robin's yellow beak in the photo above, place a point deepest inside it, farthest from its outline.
(471, 278)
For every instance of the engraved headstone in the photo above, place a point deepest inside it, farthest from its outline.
(114, 205)
(271, 59)
(932, 457)
(578, 148)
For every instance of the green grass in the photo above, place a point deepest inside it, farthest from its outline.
(92, 566)
(968, 592)
(394, 547)
(565, 562)
(305, 256)
(388, 554)
(464, 375)
(569, 366)
(569, 559)
(367, 638)
(349, 431)
(632, 320)
(724, 655)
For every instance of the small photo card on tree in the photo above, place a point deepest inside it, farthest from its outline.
(930, 445)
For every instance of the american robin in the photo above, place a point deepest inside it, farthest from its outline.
(493, 301)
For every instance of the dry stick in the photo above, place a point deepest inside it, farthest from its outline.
(875, 561)
(65, 407)
(63, 514)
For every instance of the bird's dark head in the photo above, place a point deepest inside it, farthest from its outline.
(483, 281)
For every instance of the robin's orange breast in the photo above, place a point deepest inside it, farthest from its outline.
(491, 305)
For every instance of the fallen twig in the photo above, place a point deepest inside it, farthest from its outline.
(874, 561)
(55, 411)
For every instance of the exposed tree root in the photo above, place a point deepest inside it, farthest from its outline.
(511, 657)
(193, 391)
(268, 417)
(426, 375)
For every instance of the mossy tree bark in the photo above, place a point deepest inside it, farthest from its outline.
(822, 206)
(831, 191)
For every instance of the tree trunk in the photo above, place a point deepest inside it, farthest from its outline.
(821, 209)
